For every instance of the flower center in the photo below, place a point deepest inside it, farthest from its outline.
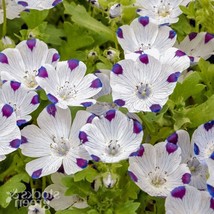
(157, 178)
(163, 9)
(144, 46)
(194, 166)
(67, 91)
(60, 146)
(29, 79)
(143, 91)
(113, 147)
(209, 150)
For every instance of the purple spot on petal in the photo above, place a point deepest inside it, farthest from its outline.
(48, 196)
(96, 83)
(20, 122)
(117, 69)
(144, 20)
(82, 163)
(119, 102)
(133, 176)
(144, 58)
(196, 149)
(139, 152)
(173, 77)
(15, 143)
(172, 34)
(155, 108)
(52, 98)
(192, 36)
(191, 58)
(73, 63)
(186, 178)
(173, 138)
(35, 99)
(212, 156)
(209, 125)
(120, 33)
(87, 104)
(3, 58)
(36, 174)
(171, 147)
(208, 37)
(15, 85)
(31, 43)
(23, 140)
(179, 53)
(23, 3)
(83, 136)
(110, 115)
(7, 110)
(51, 109)
(212, 203)
(210, 189)
(178, 192)
(55, 57)
(90, 118)
(42, 72)
(95, 158)
(137, 128)
(56, 2)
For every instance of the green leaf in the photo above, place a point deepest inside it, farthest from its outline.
(127, 208)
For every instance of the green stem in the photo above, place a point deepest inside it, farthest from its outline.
(4, 31)
(43, 183)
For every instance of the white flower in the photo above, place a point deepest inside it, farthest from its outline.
(115, 10)
(36, 209)
(198, 170)
(39, 4)
(10, 136)
(159, 169)
(21, 99)
(111, 137)
(55, 197)
(189, 200)
(22, 63)
(144, 84)
(12, 10)
(197, 45)
(55, 143)
(142, 35)
(67, 86)
(203, 142)
(161, 11)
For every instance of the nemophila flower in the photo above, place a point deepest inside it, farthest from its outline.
(161, 11)
(67, 85)
(144, 84)
(198, 171)
(38, 4)
(21, 99)
(13, 10)
(202, 140)
(188, 200)
(159, 169)
(55, 197)
(22, 63)
(111, 137)
(197, 45)
(142, 35)
(55, 142)
(10, 136)
(36, 209)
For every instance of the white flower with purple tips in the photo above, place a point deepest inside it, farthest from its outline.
(21, 99)
(55, 143)
(197, 45)
(38, 4)
(10, 136)
(22, 63)
(142, 35)
(189, 200)
(159, 169)
(66, 85)
(203, 142)
(161, 11)
(111, 137)
(198, 171)
(144, 84)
